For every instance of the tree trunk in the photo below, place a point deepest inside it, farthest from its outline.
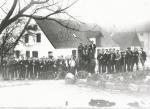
(2, 68)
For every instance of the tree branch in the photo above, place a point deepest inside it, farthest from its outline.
(55, 12)
(19, 37)
(39, 2)
(11, 10)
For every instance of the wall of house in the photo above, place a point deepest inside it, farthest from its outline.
(64, 52)
(144, 37)
(42, 47)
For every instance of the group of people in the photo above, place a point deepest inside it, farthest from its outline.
(112, 60)
(109, 61)
(37, 68)
(86, 57)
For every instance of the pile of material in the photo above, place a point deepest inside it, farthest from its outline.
(138, 81)
(70, 78)
(101, 103)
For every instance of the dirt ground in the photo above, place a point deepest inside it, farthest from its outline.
(57, 94)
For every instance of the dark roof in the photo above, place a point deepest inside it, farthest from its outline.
(61, 37)
(108, 42)
(126, 39)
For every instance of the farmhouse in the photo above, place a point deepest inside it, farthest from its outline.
(51, 38)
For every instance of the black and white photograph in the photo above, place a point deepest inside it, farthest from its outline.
(75, 54)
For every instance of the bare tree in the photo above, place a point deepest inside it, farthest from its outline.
(30, 9)
(11, 36)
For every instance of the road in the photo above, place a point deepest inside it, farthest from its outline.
(55, 93)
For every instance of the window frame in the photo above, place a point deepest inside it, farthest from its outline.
(27, 53)
(38, 37)
(35, 54)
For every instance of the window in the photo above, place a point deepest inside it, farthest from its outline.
(28, 54)
(38, 37)
(50, 54)
(26, 38)
(35, 54)
(17, 53)
(35, 27)
(32, 27)
(29, 27)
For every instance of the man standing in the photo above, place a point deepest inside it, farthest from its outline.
(92, 47)
(26, 69)
(12, 66)
(80, 55)
(72, 64)
(108, 59)
(80, 51)
(100, 61)
(135, 59)
(129, 59)
(143, 57)
(36, 67)
(123, 60)
(117, 59)
(105, 61)
(30, 68)
(23, 69)
(112, 60)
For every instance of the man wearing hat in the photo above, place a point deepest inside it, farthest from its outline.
(80, 54)
(129, 59)
(135, 59)
(123, 60)
(143, 56)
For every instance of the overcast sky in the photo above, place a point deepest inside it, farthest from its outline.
(116, 13)
(111, 13)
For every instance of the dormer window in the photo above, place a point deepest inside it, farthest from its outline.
(32, 27)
